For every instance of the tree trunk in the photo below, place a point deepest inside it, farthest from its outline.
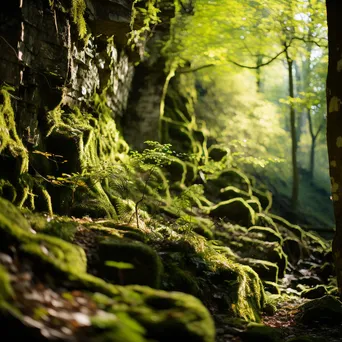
(295, 176)
(334, 124)
(312, 159)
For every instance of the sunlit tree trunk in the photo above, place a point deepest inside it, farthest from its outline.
(295, 176)
(334, 124)
(314, 137)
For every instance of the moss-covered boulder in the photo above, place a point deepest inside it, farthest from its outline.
(49, 250)
(315, 292)
(236, 210)
(325, 310)
(156, 315)
(123, 261)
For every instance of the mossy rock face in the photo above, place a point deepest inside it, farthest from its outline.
(230, 177)
(266, 270)
(316, 292)
(217, 152)
(259, 332)
(231, 192)
(264, 233)
(265, 198)
(145, 269)
(236, 210)
(326, 310)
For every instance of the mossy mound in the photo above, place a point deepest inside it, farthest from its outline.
(315, 292)
(51, 251)
(157, 315)
(236, 210)
(325, 310)
(145, 265)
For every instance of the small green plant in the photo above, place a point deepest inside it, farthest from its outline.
(144, 18)
(157, 156)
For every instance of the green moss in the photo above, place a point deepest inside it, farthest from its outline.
(6, 291)
(9, 138)
(236, 210)
(117, 328)
(7, 190)
(77, 11)
(51, 251)
(146, 262)
(170, 316)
